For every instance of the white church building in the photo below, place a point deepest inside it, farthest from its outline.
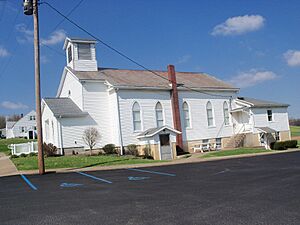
(156, 109)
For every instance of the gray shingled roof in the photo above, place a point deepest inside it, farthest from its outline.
(64, 107)
(152, 131)
(143, 78)
(267, 130)
(261, 103)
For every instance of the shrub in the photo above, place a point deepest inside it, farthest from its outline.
(14, 156)
(279, 145)
(109, 149)
(132, 150)
(291, 144)
(23, 155)
(49, 150)
(147, 152)
(32, 154)
(272, 145)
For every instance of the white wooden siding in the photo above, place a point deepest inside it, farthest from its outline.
(85, 65)
(113, 107)
(280, 118)
(23, 122)
(74, 86)
(198, 116)
(96, 103)
(147, 101)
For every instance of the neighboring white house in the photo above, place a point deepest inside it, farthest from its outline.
(25, 127)
(3, 133)
(159, 109)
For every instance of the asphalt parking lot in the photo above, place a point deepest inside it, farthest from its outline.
(255, 190)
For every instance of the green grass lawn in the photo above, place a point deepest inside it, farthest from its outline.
(30, 162)
(240, 151)
(295, 131)
(5, 142)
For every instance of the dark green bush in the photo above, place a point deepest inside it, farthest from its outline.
(49, 150)
(272, 145)
(291, 144)
(280, 145)
(14, 156)
(132, 150)
(22, 155)
(32, 154)
(109, 149)
(147, 152)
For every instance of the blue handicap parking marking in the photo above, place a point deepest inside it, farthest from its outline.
(137, 178)
(68, 185)
(31, 185)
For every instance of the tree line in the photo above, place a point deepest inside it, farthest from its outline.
(14, 117)
(295, 122)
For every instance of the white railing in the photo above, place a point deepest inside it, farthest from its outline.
(24, 148)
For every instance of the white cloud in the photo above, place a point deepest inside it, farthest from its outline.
(55, 38)
(252, 77)
(13, 105)
(292, 57)
(3, 52)
(27, 34)
(184, 59)
(44, 59)
(239, 25)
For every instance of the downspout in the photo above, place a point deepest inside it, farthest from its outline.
(60, 136)
(119, 124)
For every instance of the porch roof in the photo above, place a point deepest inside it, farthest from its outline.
(152, 131)
(266, 130)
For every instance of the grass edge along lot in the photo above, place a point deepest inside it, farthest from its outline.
(295, 131)
(5, 142)
(240, 151)
(78, 161)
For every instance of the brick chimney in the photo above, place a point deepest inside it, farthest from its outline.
(175, 104)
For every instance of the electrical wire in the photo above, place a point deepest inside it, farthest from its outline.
(122, 54)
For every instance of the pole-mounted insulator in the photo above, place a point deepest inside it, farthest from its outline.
(28, 7)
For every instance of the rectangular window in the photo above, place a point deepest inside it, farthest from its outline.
(270, 115)
(70, 54)
(32, 118)
(218, 143)
(137, 123)
(84, 52)
(277, 136)
(210, 118)
(159, 118)
(22, 129)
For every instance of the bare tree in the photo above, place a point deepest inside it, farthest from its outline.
(2, 122)
(91, 136)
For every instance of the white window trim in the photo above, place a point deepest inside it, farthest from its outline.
(163, 113)
(213, 115)
(190, 117)
(141, 118)
(229, 116)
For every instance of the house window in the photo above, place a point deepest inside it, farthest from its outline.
(210, 117)
(47, 129)
(84, 52)
(226, 113)
(32, 118)
(136, 115)
(218, 143)
(69, 53)
(186, 115)
(277, 136)
(159, 115)
(270, 115)
(22, 129)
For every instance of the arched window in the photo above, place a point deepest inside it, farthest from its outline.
(136, 115)
(226, 113)
(159, 115)
(210, 116)
(186, 115)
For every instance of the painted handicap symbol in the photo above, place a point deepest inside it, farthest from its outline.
(138, 178)
(67, 185)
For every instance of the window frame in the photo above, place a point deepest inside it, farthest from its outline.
(224, 114)
(133, 117)
(212, 113)
(79, 47)
(161, 110)
(270, 116)
(186, 112)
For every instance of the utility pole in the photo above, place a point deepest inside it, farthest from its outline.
(31, 8)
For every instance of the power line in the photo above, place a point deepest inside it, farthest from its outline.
(122, 54)
(71, 11)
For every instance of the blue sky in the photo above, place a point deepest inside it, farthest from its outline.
(253, 44)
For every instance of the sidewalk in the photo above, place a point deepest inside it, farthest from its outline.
(7, 168)
(194, 158)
